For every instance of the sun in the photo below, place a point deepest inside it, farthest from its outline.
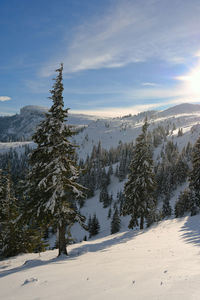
(192, 81)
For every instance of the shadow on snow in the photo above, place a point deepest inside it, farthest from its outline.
(76, 252)
(190, 231)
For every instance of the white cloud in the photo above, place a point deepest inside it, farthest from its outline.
(120, 111)
(130, 32)
(150, 84)
(4, 98)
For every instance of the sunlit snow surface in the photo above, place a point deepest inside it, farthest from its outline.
(158, 263)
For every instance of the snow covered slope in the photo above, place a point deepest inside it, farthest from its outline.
(115, 130)
(184, 108)
(22, 126)
(160, 263)
(110, 131)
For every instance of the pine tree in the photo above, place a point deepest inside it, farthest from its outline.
(181, 169)
(8, 216)
(109, 213)
(115, 223)
(195, 173)
(15, 236)
(193, 203)
(53, 188)
(89, 223)
(166, 209)
(122, 168)
(183, 204)
(94, 226)
(117, 171)
(110, 170)
(180, 132)
(105, 197)
(139, 189)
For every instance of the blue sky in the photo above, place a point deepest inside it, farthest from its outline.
(119, 56)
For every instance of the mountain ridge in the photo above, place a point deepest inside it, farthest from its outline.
(20, 127)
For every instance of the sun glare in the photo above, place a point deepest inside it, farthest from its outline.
(192, 81)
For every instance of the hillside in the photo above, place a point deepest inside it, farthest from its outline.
(21, 126)
(159, 263)
(113, 131)
(184, 108)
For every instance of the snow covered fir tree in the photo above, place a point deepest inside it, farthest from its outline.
(115, 223)
(15, 236)
(53, 190)
(8, 214)
(195, 177)
(140, 187)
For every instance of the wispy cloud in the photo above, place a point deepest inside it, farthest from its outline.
(121, 111)
(131, 32)
(4, 98)
(114, 95)
(150, 97)
(149, 84)
(37, 86)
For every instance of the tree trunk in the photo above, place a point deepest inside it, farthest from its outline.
(61, 239)
(142, 222)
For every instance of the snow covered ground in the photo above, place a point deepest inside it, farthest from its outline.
(159, 263)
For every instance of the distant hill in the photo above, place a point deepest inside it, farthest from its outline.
(21, 126)
(184, 108)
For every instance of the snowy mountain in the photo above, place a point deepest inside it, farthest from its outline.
(159, 263)
(113, 131)
(110, 131)
(21, 126)
(184, 108)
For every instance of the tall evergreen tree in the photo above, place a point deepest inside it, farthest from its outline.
(8, 216)
(166, 209)
(115, 223)
(93, 226)
(53, 188)
(139, 189)
(195, 173)
(184, 203)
